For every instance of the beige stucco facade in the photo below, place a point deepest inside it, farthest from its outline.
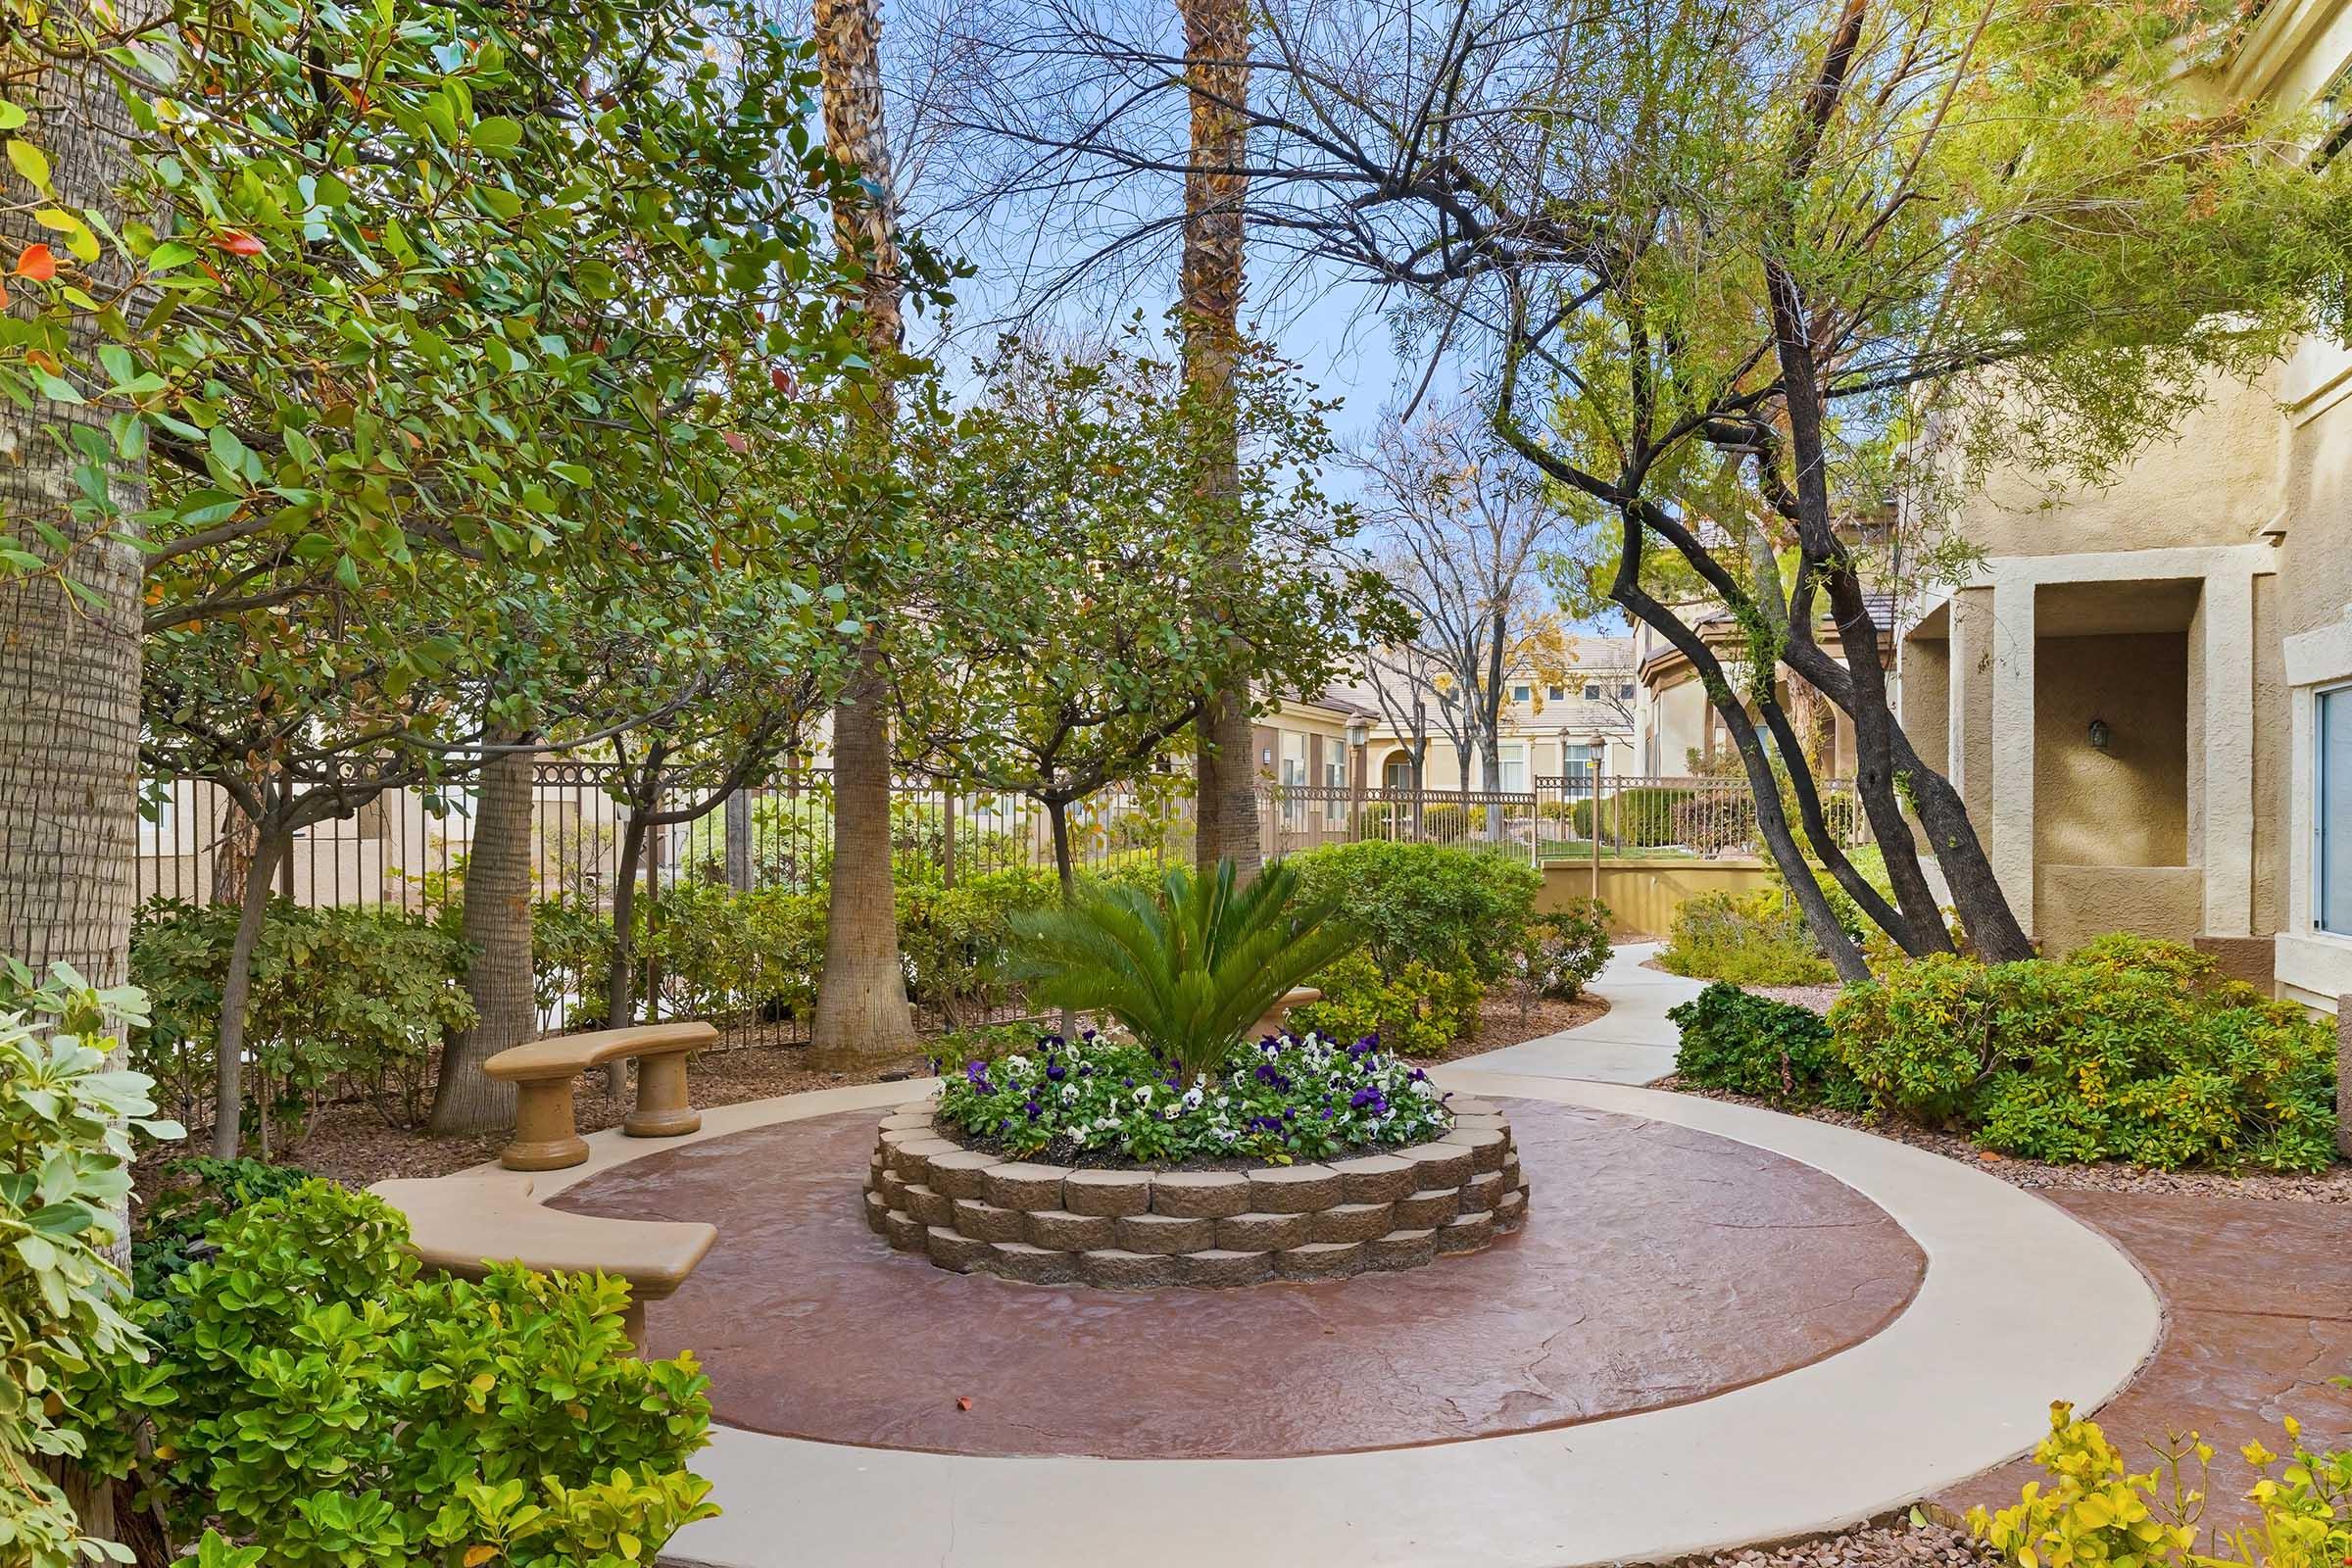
(1678, 729)
(2124, 692)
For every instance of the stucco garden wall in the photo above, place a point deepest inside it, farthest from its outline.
(2075, 903)
(1642, 895)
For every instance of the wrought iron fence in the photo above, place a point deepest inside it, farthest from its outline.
(405, 851)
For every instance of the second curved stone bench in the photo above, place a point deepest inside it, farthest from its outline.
(546, 1137)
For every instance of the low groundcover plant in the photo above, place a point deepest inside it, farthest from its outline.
(1285, 1098)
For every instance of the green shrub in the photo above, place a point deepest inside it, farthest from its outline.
(2087, 1508)
(1448, 908)
(363, 996)
(571, 957)
(1419, 1010)
(319, 1398)
(65, 1175)
(1751, 1045)
(1755, 939)
(1565, 949)
(2128, 1049)
(200, 1192)
(1643, 817)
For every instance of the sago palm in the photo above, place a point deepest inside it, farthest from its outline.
(1187, 967)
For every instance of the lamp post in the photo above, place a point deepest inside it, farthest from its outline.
(1360, 735)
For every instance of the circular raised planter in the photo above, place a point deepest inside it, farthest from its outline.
(976, 1212)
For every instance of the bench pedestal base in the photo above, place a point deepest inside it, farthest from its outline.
(544, 1153)
(661, 1108)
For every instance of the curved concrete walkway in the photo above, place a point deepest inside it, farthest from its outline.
(2020, 1305)
(1632, 1044)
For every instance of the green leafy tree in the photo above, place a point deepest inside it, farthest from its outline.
(338, 314)
(1061, 650)
(1723, 266)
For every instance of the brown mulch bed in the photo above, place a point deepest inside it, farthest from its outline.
(351, 1143)
(2330, 1186)
(1502, 1022)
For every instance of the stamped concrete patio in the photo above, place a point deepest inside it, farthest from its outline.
(1720, 1326)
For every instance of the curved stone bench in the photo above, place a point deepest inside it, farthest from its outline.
(1277, 1017)
(463, 1225)
(545, 1135)
(976, 1212)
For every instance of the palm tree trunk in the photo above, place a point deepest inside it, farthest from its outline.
(498, 926)
(1216, 54)
(862, 1013)
(69, 665)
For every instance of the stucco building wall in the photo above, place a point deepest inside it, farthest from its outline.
(2126, 805)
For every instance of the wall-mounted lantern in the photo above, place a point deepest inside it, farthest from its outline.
(2100, 735)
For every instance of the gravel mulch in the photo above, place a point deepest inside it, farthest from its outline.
(2330, 1186)
(1813, 999)
(1899, 1546)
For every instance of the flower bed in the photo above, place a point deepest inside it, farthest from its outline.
(1092, 1162)
(1097, 1102)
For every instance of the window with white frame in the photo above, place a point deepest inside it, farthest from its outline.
(1514, 757)
(1293, 773)
(2331, 853)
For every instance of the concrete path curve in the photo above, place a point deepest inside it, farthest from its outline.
(1631, 1043)
(2021, 1304)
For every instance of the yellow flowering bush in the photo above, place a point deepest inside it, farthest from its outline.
(2093, 1512)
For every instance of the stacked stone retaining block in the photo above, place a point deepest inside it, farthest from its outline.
(977, 1212)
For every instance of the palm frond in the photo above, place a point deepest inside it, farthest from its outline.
(1186, 967)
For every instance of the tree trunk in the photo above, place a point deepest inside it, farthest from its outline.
(621, 980)
(1057, 813)
(1216, 54)
(70, 667)
(1226, 824)
(1771, 821)
(1865, 682)
(233, 853)
(862, 1011)
(236, 993)
(498, 925)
